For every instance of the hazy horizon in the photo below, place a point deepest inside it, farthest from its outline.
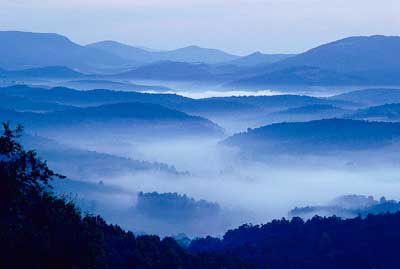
(266, 26)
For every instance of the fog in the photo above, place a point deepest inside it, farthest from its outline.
(167, 157)
(213, 93)
(247, 191)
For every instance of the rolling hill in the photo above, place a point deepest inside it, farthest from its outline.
(299, 75)
(92, 84)
(168, 70)
(370, 97)
(53, 72)
(113, 120)
(388, 112)
(320, 136)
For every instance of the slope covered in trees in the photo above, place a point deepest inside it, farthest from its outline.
(322, 136)
(39, 230)
(328, 243)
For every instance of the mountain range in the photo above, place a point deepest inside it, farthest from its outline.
(359, 60)
(191, 54)
(22, 50)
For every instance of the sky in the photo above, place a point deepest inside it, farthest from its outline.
(236, 26)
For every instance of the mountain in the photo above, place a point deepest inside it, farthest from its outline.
(97, 97)
(43, 72)
(258, 58)
(388, 112)
(361, 60)
(351, 55)
(124, 51)
(22, 50)
(298, 75)
(308, 113)
(168, 70)
(312, 109)
(370, 97)
(130, 120)
(195, 54)
(275, 103)
(92, 84)
(24, 104)
(191, 54)
(320, 136)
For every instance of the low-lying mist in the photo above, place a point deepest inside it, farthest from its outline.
(247, 191)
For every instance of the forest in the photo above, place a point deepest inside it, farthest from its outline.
(50, 232)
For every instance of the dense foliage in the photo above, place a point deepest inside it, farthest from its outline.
(38, 230)
(172, 206)
(318, 243)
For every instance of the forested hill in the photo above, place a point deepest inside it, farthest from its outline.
(38, 230)
(328, 243)
(319, 135)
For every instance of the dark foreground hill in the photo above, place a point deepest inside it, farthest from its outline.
(39, 230)
(328, 243)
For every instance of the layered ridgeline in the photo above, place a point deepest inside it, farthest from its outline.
(364, 60)
(170, 71)
(121, 119)
(48, 72)
(22, 50)
(388, 112)
(234, 113)
(128, 114)
(92, 84)
(308, 113)
(370, 97)
(47, 231)
(360, 60)
(321, 136)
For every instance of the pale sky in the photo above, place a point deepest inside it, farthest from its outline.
(237, 26)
